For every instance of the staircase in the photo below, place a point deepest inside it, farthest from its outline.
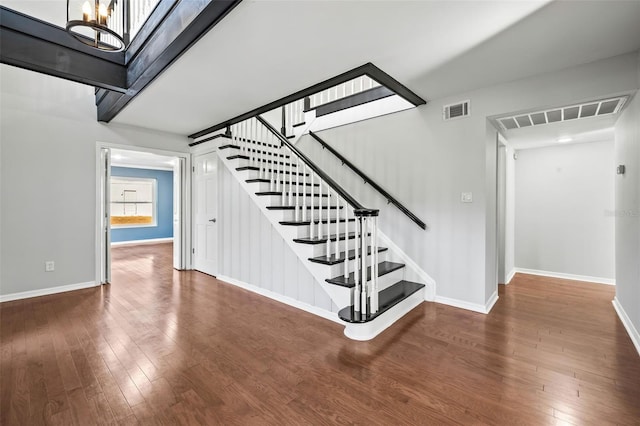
(331, 232)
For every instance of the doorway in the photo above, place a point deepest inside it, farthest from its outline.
(142, 210)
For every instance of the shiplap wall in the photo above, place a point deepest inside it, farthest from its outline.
(252, 251)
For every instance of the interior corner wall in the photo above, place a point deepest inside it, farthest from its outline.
(564, 209)
(427, 163)
(48, 134)
(253, 252)
(510, 208)
(627, 211)
(164, 206)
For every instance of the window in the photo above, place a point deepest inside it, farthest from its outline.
(133, 202)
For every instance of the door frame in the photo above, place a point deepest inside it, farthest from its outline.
(184, 193)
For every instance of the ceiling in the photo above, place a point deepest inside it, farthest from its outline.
(267, 49)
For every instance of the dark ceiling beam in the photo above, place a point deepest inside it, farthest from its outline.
(183, 26)
(367, 69)
(35, 45)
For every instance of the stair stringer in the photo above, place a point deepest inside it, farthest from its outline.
(341, 296)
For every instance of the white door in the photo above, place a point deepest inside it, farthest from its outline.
(205, 213)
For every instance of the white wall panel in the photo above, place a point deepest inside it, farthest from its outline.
(253, 251)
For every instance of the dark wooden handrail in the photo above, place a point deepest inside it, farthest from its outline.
(359, 209)
(390, 199)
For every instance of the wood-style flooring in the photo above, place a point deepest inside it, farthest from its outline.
(159, 346)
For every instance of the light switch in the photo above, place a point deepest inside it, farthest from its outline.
(467, 197)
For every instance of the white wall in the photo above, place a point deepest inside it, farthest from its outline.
(48, 137)
(564, 209)
(252, 251)
(426, 163)
(510, 214)
(627, 215)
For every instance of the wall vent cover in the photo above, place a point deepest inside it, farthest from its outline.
(566, 113)
(457, 110)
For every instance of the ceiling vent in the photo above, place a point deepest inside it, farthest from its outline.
(567, 113)
(457, 110)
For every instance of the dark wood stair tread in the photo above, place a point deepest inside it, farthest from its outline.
(387, 299)
(299, 194)
(257, 169)
(322, 240)
(332, 260)
(383, 269)
(229, 146)
(268, 161)
(307, 222)
(262, 180)
(300, 207)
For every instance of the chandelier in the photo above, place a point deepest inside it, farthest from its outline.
(99, 24)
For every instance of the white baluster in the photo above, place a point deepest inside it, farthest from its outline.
(374, 261)
(304, 192)
(311, 224)
(356, 270)
(296, 189)
(273, 176)
(328, 222)
(346, 239)
(363, 257)
(336, 248)
(283, 181)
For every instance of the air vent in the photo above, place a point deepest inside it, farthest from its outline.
(566, 113)
(457, 110)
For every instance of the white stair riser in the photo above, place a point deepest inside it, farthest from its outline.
(315, 250)
(276, 200)
(269, 164)
(338, 269)
(304, 231)
(254, 174)
(290, 215)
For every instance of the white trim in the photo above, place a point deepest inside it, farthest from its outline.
(142, 167)
(628, 325)
(510, 276)
(430, 283)
(491, 302)
(142, 242)
(186, 199)
(332, 316)
(46, 291)
(598, 280)
(463, 304)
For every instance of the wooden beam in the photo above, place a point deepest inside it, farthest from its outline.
(183, 26)
(38, 46)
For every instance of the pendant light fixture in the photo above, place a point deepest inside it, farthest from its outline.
(99, 24)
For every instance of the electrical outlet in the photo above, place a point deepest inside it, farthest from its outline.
(467, 197)
(49, 266)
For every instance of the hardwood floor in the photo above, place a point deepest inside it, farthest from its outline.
(159, 346)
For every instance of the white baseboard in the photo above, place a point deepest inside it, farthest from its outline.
(510, 276)
(491, 302)
(475, 307)
(46, 291)
(141, 242)
(628, 325)
(332, 316)
(598, 280)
